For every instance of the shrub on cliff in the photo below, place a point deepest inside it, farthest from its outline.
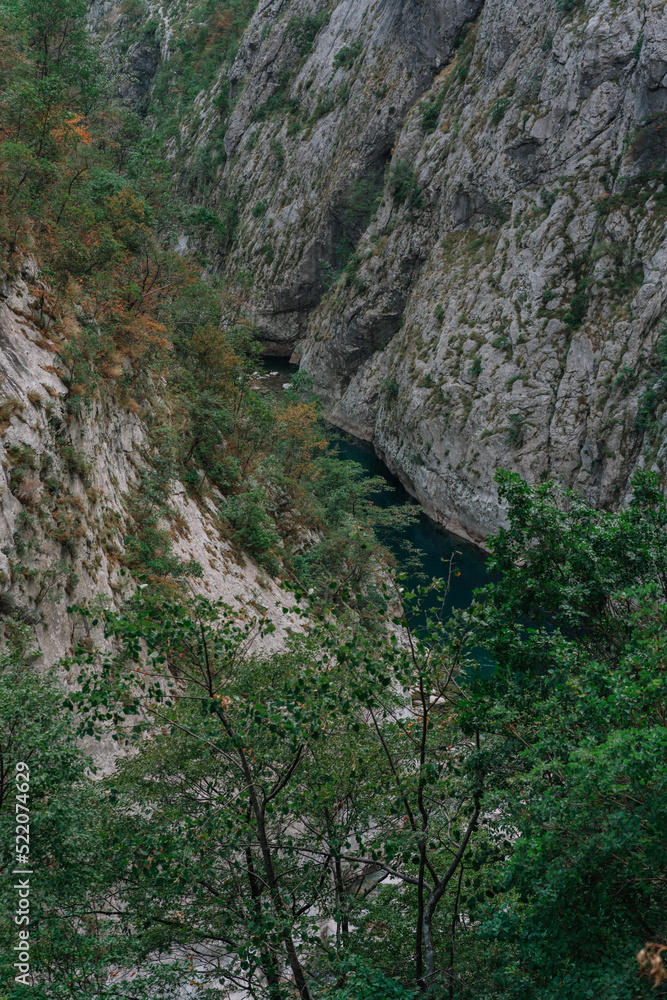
(402, 184)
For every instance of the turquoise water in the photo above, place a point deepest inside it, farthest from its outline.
(435, 545)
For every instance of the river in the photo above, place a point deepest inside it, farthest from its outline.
(435, 545)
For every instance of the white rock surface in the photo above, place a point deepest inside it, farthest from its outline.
(45, 575)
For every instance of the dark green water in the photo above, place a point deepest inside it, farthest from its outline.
(436, 546)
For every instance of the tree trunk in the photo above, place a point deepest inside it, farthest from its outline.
(268, 960)
(267, 861)
(455, 915)
(419, 943)
(438, 892)
(277, 899)
(342, 902)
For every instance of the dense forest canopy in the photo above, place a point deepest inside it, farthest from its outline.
(367, 814)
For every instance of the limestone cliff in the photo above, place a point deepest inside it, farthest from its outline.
(67, 481)
(539, 268)
(455, 213)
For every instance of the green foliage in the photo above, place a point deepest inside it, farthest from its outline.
(625, 378)
(76, 462)
(303, 29)
(341, 566)
(515, 429)
(278, 104)
(607, 552)
(346, 57)
(253, 528)
(148, 548)
(277, 152)
(576, 623)
(548, 198)
(281, 734)
(228, 219)
(323, 106)
(576, 314)
(431, 108)
(476, 367)
(430, 115)
(222, 102)
(361, 202)
(627, 279)
(499, 211)
(461, 37)
(344, 778)
(67, 846)
(277, 792)
(370, 984)
(350, 271)
(390, 387)
(134, 9)
(198, 53)
(262, 453)
(497, 112)
(55, 31)
(502, 343)
(402, 184)
(646, 409)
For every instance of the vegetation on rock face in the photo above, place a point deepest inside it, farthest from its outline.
(402, 184)
(392, 806)
(85, 187)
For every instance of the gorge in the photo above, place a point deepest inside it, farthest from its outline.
(493, 296)
(333, 520)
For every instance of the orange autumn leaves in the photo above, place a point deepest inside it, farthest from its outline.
(98, 251)
(300, 435)
(295, 431)
(219, 365)
(72, 129)
(110, 261)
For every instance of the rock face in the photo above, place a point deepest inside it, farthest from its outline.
(540, 268)
(66, 483)
(455, 213)
(134, 64)
(315, 172)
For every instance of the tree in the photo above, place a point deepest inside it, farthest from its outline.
(577, 708)
(376, 813)
(44, 773)
(229, 777)
(55, 32)
(293, 778)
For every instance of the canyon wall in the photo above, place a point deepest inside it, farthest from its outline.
(70, 478)
(454, 214)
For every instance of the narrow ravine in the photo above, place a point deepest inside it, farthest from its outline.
(436, 546)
